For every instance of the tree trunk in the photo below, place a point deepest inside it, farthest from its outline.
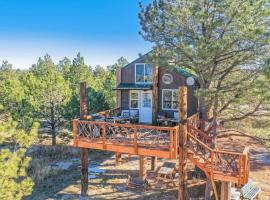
(53, 135)
(53, 126)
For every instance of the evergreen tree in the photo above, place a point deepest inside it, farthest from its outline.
(53, 93)
(224, 42)
(14, 182)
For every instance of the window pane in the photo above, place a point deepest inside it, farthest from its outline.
(167, 95)
(167, 104)
(175, 95)
(146, 101)
(139, 73)
(148, 73)
(134, 103)
(167, 99)
(134, 95)
(175, 105)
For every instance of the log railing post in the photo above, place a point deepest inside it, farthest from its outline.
(75, 132)
(84, 151)
(182, 192)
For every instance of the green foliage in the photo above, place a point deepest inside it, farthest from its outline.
(14, 182)
(224, 42)
(50, 93)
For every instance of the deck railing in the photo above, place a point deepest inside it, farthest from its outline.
(218, 164)
(135, 138)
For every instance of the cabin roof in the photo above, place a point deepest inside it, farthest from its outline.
(178, 69)
(134, 86)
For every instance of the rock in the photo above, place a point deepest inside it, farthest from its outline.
(62, 165)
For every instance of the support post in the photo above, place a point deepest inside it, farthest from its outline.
(153, 163)
(182, 192)
(118, 158)
(142, 172)
(84, 151)
(155, 94)
(225, 193)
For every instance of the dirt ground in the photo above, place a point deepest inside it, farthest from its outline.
(108, 181)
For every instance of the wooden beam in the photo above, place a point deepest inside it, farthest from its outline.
(225, 193)
(155, 94)
(142, 169)
(182, 143)
(153, 163)
(84, 151)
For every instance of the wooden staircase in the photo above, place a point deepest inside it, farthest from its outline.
(217, 165)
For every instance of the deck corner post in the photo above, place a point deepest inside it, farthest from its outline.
(225, 192)
(182, 191)
(84, 151)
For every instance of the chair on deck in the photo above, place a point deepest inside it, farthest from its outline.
(166, 173)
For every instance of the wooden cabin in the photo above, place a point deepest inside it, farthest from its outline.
(152, 91)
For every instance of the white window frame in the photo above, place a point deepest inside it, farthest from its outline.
(134, 91)
(171, 100)
(143, 73)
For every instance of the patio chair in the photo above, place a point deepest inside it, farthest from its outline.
(134, 115)
(160, 118)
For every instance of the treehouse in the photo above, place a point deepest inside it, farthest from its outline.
(157, 116)
(150, 92)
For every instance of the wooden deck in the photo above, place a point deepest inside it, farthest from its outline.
(126, 138)
(163, 142)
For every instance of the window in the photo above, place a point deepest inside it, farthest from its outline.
(146, 100)
(134, 99)
(144, 73)
(169, 99)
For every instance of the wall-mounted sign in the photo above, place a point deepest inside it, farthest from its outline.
(167, 78)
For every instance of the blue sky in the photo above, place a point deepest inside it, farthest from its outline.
(102, 30)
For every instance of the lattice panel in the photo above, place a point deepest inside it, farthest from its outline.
(227, 163)
(89, 130)
(199, 149)
(153, 137)
(193, 121)
(119, 134)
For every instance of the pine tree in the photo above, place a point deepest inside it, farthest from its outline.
(14, 181)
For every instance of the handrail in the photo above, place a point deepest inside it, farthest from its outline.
(89, 117)
(218, 158)
(140, 136)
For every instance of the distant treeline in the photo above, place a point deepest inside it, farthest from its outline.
(50, 92)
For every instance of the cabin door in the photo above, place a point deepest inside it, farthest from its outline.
(145, 114)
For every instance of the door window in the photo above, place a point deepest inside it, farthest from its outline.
(146, 100)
